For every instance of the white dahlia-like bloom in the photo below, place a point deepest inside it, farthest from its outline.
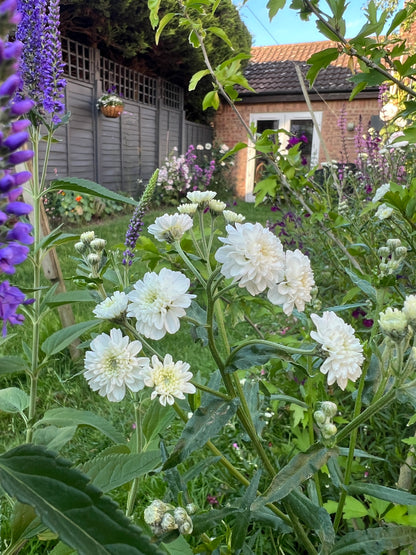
(112, 307)
(252, 256)
(200, 197)
(170, 227)
(169, 379)
(295, 289)
(232, 217)
(111, 365)
(388, 111)
(384, 212)
(158, 301)
(188, 208)
(381, 191)
(216, 206)
(345, 352)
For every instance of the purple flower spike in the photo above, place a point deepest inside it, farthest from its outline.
(22, 177)
(21, 232)
(9, 87)
(11, 255)
(16, 140)
(20, 125)
(8, 6)
(20, 157)
(6, 183)
(21, 107)
(10, 299)
(18, 208)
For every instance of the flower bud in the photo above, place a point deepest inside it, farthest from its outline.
(98, 245)
(168, 523)
(383, 252)
(153, 514)
(320, 417)
(93, 259)
(409, 308)
(329, 408)
(393, 243)
(80, 247)
(87, 237)
(328, 430)
(393, 323)
(216, 206)
(400, 252)
(186, 527)
(232, 217)
(191, 508)
(189, 208)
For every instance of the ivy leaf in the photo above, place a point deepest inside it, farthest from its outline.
(206, 422)
(69, 505)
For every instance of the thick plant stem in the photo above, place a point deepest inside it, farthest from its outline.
(189, 263)
(300, 532)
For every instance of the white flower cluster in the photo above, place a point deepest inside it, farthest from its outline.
(343, 350)
(395, 323)
(253, 257)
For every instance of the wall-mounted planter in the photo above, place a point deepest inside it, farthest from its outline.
(112, 111)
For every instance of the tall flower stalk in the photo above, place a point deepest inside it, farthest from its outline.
(41, 79)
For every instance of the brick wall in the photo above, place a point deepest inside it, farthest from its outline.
(229, 130)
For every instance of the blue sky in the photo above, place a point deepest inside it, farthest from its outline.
(287, 27)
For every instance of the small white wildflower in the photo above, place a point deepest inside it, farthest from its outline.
(200, 197)
(169, 379)
(384, 212)
(112, 307)
(409, 308)
(208, 146)
(200, 147)
(232, 217)
(170, 227)
(381, 191)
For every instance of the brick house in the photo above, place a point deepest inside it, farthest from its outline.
(278, 103)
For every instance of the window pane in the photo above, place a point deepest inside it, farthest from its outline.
(303, 128)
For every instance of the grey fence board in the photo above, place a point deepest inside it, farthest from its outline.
(118, 152)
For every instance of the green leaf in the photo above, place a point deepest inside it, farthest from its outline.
(64, 337)
(323, 29)
(112, 471)
(392, 495)
(241, 524)
(54, 438)
(88, 187)
(397, 20)
(178, 547)
(274, 6)
(315, 517)
(375, 541)
(232, 151)
(73, 417)
(249, 356)
(319, 61)
(196, 78)
(69, 505)
(163, 22)
(13, 400)
(153, 6)
(12, 365)
(211, 99)
(55, 239)
(82, 296)
(205, 423)
(156, 419)
(220, 33)
(205, 521)
(62, 549)
(299, 469)
(363, 284)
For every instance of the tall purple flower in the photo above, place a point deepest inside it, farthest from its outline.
(41, 69)
(14, 234)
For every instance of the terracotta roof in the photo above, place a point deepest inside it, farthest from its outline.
(299, 52)
(271, 69)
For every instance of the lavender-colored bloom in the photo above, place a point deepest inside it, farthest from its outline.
(12, 254)
(20, 157)
(18, 208)
(133, 233)
(10, 299)
(20, 232)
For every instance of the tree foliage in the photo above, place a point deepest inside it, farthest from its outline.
(122, 31)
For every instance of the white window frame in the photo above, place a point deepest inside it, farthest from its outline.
(284, 119)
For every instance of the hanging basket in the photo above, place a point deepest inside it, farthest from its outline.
(112, 111)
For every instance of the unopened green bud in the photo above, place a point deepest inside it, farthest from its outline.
(191, 508)
(328, 430)
(180, 515)
(393, 243)
(409, 308)
(186, 527)
(320, 417)
(401, 252)
(393, 323)
(80, 247)
(153, 514)
(87, 237)
(168, 523)
(383, 252)
(93, 259)
(329, 408)
(98, 245)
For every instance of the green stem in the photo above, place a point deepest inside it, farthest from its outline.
(300, 532)
(131, 499)
(143, 341)
(195, 242)
(196, 273)
(203, 238)
(211, 391)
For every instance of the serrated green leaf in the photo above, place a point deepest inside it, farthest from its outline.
(205, 423)
(299, 469)
(69, 297)
(54, 438)
(69, 505)
(112, 471)
(323, 29)
(392, 495)
(62, 417)
(59, 340)
(88, 187)
(374, 541)
(12, 365)
(13, 400)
